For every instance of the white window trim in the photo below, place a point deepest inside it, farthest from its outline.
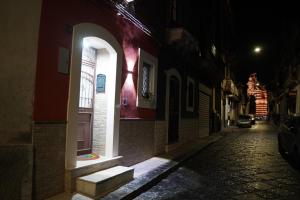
(143, 102)
(190, 108)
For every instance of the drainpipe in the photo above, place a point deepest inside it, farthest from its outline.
(298, 91)
(298, 99)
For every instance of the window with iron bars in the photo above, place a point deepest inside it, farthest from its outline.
(146, 80)
(88, 64)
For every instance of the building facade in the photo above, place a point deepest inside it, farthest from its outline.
(89, 77)
(285, 97)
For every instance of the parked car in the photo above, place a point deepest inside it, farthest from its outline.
(252, 116)
(289, 138)
(244, 121)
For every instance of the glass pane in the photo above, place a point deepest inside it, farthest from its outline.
(146, 80)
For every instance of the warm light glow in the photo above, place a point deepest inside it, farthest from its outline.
(131, 56)
(257, 49)
(130, 64)
(129, 85)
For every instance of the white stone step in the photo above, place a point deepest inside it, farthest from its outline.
(84, 168)
(100, 183)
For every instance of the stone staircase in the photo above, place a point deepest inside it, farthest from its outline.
(100, 183)
(96, 178)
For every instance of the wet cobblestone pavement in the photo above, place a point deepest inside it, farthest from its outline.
(242, 165)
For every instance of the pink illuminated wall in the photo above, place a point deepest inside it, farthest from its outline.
(57, 19)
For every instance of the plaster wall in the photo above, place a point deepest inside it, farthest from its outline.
(18, 54)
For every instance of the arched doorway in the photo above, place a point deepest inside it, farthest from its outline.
(94, 94)
(173, 106)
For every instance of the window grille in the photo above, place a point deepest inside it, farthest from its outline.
(146, 80)
(88, 65)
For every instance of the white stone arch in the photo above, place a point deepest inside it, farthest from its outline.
(81, 31)
(169, 73)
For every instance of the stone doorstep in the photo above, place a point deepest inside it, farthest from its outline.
(101, 183)
(71, 175)
(142, 183)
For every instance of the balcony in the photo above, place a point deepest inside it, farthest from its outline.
(229, 87)
(181, 37)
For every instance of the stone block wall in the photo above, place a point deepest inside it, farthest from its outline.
(49, 140)
(188, 130)
(16, 165)
(99, 125)
(136, 141)
(19, 42)
(160, 137)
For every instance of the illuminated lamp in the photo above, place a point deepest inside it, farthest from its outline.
(130, 56)
(257, 50)
(130, 65)
(85, 43)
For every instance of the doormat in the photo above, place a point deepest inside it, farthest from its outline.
(90, 156)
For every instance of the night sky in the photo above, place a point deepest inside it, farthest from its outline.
(260, 23)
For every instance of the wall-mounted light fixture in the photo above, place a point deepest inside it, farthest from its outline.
(129, 72)
(125, 101)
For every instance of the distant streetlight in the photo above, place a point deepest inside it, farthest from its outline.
(257, 50)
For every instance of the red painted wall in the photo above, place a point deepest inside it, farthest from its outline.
(57, 19)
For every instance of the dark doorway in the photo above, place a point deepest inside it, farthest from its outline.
(252, 105)
(173, 110)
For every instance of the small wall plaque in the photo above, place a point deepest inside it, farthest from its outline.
(100, 86)
(63, 60)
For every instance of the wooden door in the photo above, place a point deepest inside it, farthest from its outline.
(84, 141)
(86, 101)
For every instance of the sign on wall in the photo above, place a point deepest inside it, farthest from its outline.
(63, 60)
(100, 86)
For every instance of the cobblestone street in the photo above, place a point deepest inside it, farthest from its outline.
(245, 164)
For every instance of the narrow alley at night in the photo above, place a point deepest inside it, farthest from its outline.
(245, 164)
(161, 99)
